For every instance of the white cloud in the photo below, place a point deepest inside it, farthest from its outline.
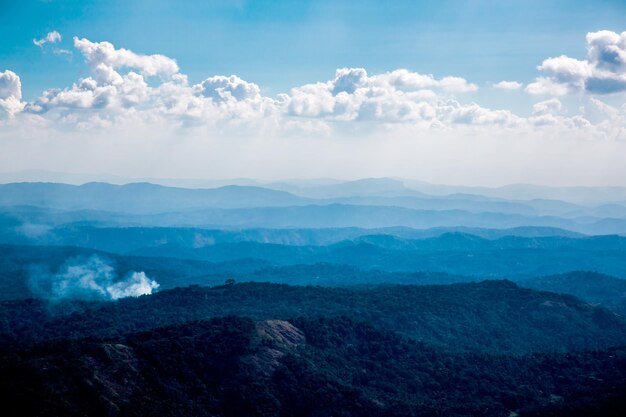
(508, 85)
(399, 96)
(10, 94)
(565, 75)
(551, 106)
(402, 79)
(604, 108)
(104, 53)
(118, 84)
(456, 85)
(347, 80)
(51, 37)
(607, 50)
(473, 114)
(221, 88)
(138, 115)
(551, 112)
(126, 88)
(118, 89)
(602, 72)
(61, 51)
(546, 86)
(10, 85)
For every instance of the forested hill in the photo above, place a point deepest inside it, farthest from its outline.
(491, 316)
(326, 367)
(593, 287)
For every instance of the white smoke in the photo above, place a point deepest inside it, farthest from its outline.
(135, 284)
(89, 279)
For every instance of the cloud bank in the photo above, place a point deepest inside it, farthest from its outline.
(128, 87)
(139, 114)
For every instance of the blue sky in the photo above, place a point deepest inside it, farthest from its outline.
(476, 92)
(279, 44)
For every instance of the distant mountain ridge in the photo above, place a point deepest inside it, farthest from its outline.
(314, 188)
(140, 198)
(144, 198)
(312, 217)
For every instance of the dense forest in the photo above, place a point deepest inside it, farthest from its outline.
(143, 300)
(491, 316)
(307, 367)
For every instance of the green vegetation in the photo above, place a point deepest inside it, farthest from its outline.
(307, 367)
(593, 287)
(491, 316)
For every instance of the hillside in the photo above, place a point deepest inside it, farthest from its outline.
(490, 316)
(235, 367)
(21, 265)
(593, 287)
(512, 257)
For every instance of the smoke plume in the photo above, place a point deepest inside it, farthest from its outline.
(88, 279)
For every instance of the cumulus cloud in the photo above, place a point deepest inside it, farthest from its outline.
(551, 112)
(602, 72)
(473, 114)
(125, 88)
(547, 86)
(118, 90)
(88, 279)
(106, 88)
(10, 85)
(403, 79)
(221, 88)
(456, 84)
(394, 97)
(10, 94)
(105, 54)
(51, 37)
(508, 85)
(347, 80)
(551, 106)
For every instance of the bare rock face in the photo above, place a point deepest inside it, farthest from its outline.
(277, 338)
(114, 373)
(281, 333)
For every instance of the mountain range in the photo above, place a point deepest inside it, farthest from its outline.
(376, 297)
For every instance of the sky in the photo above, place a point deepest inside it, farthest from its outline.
(455, 92)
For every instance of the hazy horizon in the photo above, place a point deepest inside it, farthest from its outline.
(79, 178)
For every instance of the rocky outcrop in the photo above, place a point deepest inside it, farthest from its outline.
(277, 338)
(281, 333)
(113, 373)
